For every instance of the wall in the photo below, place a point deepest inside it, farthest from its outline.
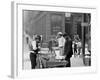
(5, 39)
(48, 24)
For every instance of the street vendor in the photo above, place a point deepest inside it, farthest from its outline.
(61, 42)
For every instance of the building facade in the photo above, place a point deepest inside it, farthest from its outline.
(48, 23)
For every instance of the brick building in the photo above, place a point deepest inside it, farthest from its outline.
(48, 23)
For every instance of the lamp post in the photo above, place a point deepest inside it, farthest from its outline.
(84, 25)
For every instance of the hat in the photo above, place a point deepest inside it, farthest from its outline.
(59, 32)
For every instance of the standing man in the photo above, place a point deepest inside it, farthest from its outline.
(34, 51)
(68, 52)
(61, 42)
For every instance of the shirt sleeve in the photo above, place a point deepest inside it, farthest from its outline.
(63, 41)
(34, 45)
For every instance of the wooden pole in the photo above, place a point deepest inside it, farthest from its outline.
(83, 37)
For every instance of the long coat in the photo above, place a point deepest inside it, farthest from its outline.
(68, 49)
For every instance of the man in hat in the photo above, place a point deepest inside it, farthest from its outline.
(61, 42)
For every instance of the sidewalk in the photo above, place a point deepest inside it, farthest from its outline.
(77, 61)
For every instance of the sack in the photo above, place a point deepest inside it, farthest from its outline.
(79, 44)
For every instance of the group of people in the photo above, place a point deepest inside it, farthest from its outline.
(77, 45)
(64, 45)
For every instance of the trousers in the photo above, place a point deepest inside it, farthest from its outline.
(33, 60)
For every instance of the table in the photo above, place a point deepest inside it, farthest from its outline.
(49, 61)
(56, 63)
